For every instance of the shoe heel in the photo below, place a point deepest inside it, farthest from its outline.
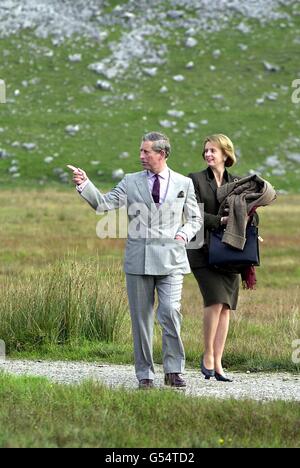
(208, 373)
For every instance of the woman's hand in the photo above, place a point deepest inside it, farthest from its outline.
(224, 220)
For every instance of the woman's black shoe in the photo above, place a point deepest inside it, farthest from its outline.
(222, 378)
(208, 373)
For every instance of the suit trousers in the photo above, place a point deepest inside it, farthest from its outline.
(141, 294)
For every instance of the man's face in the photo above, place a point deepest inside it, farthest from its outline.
(150, 159)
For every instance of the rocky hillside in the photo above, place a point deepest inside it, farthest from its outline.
(86, 78)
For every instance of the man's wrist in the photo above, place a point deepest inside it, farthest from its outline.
(82, 186)
(181, 236)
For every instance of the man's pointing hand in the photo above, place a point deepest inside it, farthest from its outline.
(79, 176)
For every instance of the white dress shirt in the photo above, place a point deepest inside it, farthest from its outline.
(164, 178)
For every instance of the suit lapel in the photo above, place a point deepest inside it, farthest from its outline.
(211, 182)
(171, 190)
(143, 187)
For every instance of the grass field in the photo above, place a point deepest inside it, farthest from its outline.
(61, 285)
(93, 416)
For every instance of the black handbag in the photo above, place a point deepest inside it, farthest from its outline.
(224, 257)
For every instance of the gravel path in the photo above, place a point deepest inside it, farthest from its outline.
(260, 386)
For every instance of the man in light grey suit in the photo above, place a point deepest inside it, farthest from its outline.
(157, 199)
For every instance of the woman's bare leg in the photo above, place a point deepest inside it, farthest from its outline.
(220, 338)
(211, 323)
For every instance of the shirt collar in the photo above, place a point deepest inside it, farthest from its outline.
(164, 174)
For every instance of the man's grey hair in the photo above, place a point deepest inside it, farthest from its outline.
(160, 142)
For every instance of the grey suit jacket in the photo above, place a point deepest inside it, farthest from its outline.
(151, 246)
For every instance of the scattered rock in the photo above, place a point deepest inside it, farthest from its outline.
(128, 15)
(75, 58)
(279, 172)
(49, 53)
(216, 53)
(175, 14)
(163, 89)
(3, 154)
(103, 68)
(294, 157)
(218, 97)
(61, 174)
(192, 126)
(49, 159)
(64, 177)
(175, 113)
(72, 130)
(166, 123)
(190, 65)
(29, 146)
(87, 89)
(150, 71)
(191, 32)
(104, 85)
(13, 170)
(243, 28)
(124, 155)
(129, 97)
(178, 78)
(191, 42)
(271, 67)
(58, 171)
(98, 68)
(118, 174)
(272, 96)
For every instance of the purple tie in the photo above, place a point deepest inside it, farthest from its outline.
(155, 190)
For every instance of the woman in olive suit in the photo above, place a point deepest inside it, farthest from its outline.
(219, 289)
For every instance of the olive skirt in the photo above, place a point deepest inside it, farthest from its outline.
(218, 287)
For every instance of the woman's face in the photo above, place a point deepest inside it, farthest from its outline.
(214, 156)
